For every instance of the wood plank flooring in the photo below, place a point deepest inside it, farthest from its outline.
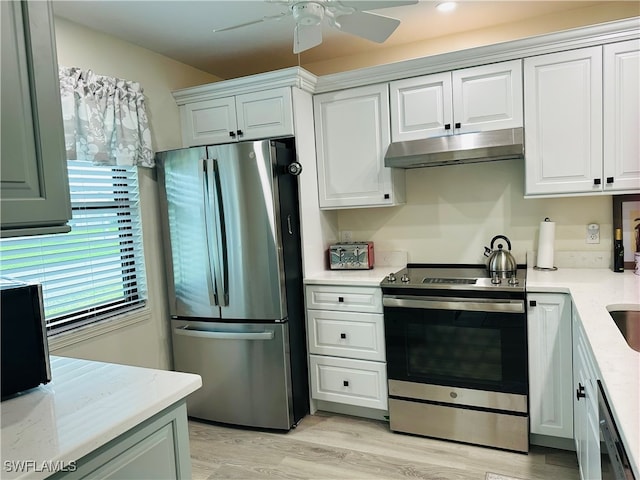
(330, 446)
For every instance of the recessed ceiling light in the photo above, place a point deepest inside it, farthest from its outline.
(446, 6)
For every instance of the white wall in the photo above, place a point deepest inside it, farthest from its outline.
(452, 212)
(147, 342)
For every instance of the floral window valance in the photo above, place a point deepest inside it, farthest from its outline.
(105, 121)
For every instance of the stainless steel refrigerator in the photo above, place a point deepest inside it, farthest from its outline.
(233, 256)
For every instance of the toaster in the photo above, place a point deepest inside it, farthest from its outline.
(351, 256)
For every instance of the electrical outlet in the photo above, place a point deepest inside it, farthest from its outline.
(593, 233)
(346, 236)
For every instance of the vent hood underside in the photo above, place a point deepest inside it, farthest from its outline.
(457, 149)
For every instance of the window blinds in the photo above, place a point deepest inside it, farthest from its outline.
(98, 267)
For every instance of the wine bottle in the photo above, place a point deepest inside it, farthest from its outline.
(618, 252)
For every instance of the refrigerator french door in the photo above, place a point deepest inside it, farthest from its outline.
(233, 255)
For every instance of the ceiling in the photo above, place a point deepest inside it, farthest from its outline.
(183, 30)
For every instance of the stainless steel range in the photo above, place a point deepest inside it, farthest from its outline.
(457, 354)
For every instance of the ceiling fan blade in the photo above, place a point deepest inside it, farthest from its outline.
(253, 22)
(371, 26)
(376, 4)
(306, 37)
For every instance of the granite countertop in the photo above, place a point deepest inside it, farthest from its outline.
(592, 291)
(86, 405)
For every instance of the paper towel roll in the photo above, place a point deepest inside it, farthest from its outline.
(545, 244)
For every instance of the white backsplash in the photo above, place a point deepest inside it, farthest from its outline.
(390, 258)
(576, 259)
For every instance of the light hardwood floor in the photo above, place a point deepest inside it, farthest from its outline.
(330, 446)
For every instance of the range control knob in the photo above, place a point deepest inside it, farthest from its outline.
(405, 278)
(391, 277)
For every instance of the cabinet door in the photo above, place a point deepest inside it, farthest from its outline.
(586, 416)
(209, 122)
(550, 359)
(265, 114)
(421, 107)
(563, 122)
(35, 185)
(488, 97)
(352, 136)
(622, 116)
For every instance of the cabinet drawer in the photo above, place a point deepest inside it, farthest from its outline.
(353, 382)
(346, 334)
(349, 299)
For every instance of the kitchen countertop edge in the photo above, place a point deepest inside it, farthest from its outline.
(86, 405)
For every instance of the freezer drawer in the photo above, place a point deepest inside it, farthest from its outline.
(245, 372)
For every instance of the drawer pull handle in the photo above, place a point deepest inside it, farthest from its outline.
(341, 299)
(580, 392)
(532, 303)
(343, 335)
(345, 383)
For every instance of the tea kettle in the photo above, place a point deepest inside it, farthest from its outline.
(501, 263)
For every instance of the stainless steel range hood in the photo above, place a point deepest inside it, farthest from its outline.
(457, 149)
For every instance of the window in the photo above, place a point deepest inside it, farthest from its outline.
(95, 270)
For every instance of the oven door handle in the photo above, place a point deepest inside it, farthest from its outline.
(454, 303)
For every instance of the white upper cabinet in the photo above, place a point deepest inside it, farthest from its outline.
(581, 133)
(621, 116)
(250, 116)
(352, 136)
(34, 185)
(487, 97)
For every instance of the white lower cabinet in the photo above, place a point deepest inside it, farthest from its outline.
(347, 360)
(550, 358)
(345, 380)
(585, 408)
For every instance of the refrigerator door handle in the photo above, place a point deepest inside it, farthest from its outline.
(189, 332)
(222, 277)
(213, 290)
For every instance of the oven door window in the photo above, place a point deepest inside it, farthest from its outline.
(478, 350)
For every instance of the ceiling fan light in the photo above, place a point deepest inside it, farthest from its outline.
(446, 6)
(308, 13)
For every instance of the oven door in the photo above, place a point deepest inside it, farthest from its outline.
(472, 343)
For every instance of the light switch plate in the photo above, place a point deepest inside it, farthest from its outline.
(593, 233)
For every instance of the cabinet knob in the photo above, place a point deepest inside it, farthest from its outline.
(458, 125)
(609, 179)
(341, 299)
(447, 126)
(386, 196)
(580, 392)
(239, 132)
(345, 383)
(597, 181)
(532, 303)
(343, 335)
(232, 134)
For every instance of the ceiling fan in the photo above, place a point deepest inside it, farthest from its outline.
(350, 17)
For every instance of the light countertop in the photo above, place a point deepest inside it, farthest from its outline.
(368, 278)
(86, 405)
(592, 290)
